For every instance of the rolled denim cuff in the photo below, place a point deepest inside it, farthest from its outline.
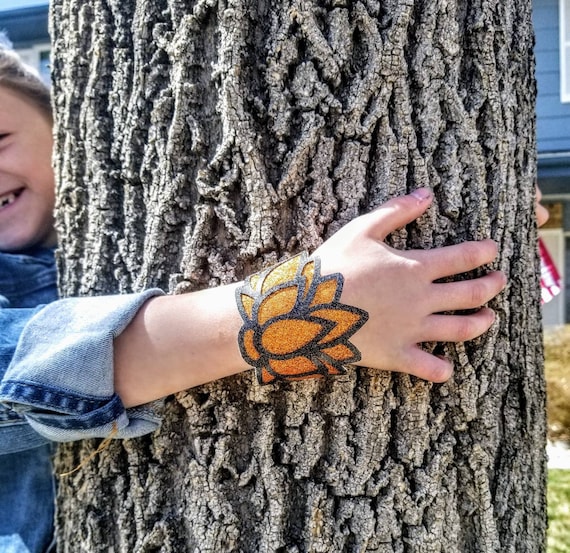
(61, 377)
(64, 417)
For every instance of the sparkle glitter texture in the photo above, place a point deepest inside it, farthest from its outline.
(294, 325)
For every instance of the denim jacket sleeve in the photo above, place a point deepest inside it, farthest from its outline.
(60, 372)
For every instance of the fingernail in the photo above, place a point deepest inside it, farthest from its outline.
(421, 194)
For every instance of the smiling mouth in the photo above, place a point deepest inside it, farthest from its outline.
(8, 199)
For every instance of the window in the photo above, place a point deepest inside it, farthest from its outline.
(38, 57)
(565, 50)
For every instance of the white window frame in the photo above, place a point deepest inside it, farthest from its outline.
(32, 56)
(564, 50)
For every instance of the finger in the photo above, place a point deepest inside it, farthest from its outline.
(400, 211)
(542, 215)
(468, 294)
(454, 260)
(424, 365)
(458, 328)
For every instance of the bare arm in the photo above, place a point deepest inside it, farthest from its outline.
(177, 342)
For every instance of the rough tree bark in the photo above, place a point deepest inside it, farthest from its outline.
(198, 141)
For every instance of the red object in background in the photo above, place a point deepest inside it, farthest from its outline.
(549, 276)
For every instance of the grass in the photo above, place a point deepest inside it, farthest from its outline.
(557, 370)
(558, 511)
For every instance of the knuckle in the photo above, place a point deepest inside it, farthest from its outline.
(478, 293)
(466, 329)
(472, 254)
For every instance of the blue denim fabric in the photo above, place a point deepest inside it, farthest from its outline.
(27, 494)
(27, 279)
(27, 485)
(56, 383)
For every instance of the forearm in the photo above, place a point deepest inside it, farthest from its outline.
(177, 342)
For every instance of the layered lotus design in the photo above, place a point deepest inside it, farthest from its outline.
(294, 325)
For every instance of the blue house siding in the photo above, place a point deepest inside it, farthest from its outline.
(553, 144)
(553, 117)
(25, 26)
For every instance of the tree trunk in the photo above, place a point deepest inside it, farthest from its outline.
(199, 141)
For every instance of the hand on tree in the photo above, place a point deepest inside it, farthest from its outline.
(399, 291)
(177, 342)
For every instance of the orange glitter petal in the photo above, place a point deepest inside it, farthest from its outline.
(248, 344)
(247, 303)
(325, 292)
(288, 335)
(293, 368)
(264, 376)
(339, 352)
(278, 303)
(344, 320)
(282, 273)
(334, 371)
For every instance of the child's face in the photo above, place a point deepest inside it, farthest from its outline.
(27, 193)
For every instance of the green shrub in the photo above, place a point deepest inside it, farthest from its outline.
(557, 368)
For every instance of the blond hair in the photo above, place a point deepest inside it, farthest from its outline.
(21, 79)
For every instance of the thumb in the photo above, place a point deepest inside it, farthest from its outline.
(400, 211)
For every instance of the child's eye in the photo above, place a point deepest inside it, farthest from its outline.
(3, 135)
